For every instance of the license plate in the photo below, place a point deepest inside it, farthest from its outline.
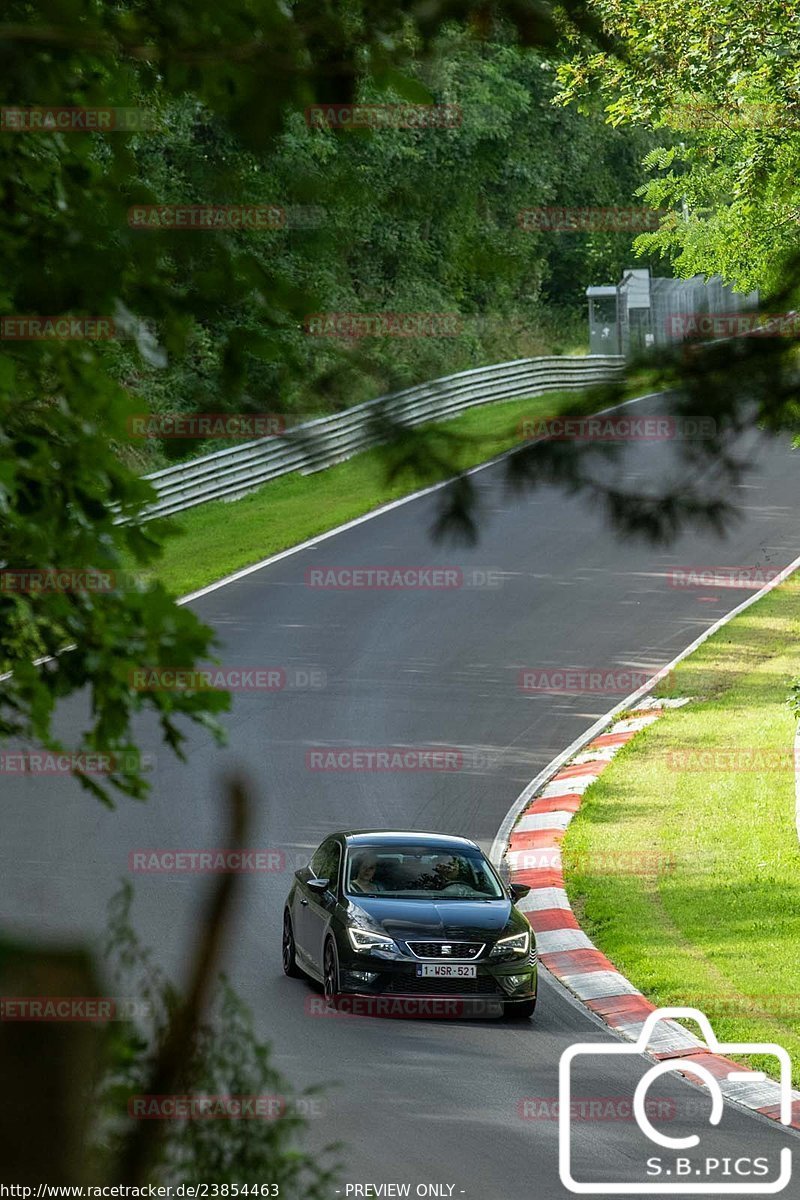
(446, 971)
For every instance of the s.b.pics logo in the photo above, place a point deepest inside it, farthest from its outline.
(697, 1155)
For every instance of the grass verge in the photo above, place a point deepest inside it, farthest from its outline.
(216, 539)
(707, 912)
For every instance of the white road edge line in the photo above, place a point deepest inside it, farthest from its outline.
(501, 840)
(384, 508)
(243, 572)
(526, 795)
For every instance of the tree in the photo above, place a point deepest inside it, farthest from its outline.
(110, 1086)
(223, 84)
(723, 78)
(226, 1063)
(383, 240)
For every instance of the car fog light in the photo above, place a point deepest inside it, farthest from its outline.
(364, 976)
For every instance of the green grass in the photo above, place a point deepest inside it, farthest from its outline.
(713, 919)
(216, 539)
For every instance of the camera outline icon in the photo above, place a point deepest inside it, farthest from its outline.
(639, 1047)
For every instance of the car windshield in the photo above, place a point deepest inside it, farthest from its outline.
(420, 873)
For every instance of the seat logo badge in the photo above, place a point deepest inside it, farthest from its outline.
(447, 949)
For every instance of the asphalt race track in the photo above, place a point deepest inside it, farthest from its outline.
(415, 1101)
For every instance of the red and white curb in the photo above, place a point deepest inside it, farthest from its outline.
(533, 853)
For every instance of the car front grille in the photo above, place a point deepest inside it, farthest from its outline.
(456, 950)
(410, 985)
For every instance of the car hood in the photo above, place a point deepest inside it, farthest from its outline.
(432, 919)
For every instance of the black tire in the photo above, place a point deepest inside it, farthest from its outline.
(331, 974)
(522, 1009)
(290, 966)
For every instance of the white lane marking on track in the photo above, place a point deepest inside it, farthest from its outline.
(377, 512)
(601, 724)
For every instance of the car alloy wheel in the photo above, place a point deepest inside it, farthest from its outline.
(331, 975)
(290, 966)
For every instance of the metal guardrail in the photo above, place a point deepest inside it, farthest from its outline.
(231, 473)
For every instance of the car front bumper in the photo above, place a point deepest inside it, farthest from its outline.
(371, 976)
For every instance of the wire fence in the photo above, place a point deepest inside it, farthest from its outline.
(644, 311)
(672, 301)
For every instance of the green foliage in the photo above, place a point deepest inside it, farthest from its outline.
(398, 220)
(723, 78)
(228, 1060)
(703, 802)
(412, 221)
(61, 487)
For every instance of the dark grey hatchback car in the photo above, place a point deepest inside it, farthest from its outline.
(384, 914)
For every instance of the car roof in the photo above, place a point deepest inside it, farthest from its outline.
(388, 837)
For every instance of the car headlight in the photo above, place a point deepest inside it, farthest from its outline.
(518, 943)
(363, 940)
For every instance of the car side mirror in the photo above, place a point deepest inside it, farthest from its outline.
(518, 891)
(318, 885)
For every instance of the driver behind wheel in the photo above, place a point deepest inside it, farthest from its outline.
(362, 877)
(448, 871)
